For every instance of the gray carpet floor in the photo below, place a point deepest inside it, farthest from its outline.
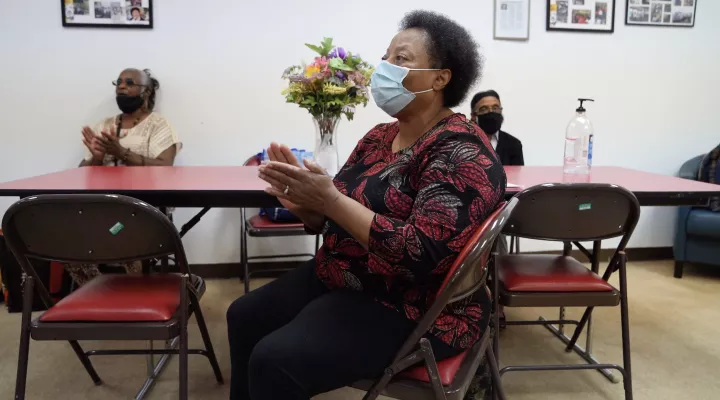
(674, 330)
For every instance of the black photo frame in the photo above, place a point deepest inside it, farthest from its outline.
(131, 14)
(669, 13)
(593, 16)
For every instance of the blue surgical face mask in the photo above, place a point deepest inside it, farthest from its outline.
(387, 88)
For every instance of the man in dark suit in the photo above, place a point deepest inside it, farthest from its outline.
(487, 113)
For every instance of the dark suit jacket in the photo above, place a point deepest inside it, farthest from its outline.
(509, 149)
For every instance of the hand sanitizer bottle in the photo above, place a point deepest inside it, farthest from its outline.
(578, 143)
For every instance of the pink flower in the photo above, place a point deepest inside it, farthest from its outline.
(321, 62)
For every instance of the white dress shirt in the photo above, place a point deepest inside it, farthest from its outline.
(494, 140)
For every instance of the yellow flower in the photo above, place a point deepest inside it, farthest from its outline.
(329, 88)
(311, 70)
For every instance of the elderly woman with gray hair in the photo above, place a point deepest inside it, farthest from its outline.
(137, 136)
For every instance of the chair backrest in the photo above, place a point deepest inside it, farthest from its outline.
(89, 228)
(574, 212)
(691, 167)
(467, 274)
(252, 161)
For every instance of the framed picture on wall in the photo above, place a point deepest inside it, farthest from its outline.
(512, 20)
(136, 14)
(661, 12)
(581, 15)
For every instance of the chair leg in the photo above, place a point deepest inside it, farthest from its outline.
(432, 369)
(678, 269)
(579, 328)
(206, 340)
(85, 360)
(183, 338)
(317, 243)
(497, 389)
(496, 311)
(625, 321)
(379, 385)
(24, 352)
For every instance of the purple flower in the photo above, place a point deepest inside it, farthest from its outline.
(338, 52)
(340, 75)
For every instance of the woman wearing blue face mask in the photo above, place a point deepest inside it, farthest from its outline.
(394, 219)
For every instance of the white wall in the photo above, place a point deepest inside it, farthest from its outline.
(219, 63)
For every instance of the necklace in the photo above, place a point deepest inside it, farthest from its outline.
(119, 128)
(119, 124)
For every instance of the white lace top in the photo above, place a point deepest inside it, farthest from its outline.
(149, 138)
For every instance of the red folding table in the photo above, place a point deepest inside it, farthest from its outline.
(650, 189)
(239, 186)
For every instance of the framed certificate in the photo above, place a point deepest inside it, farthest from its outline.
(512, 19)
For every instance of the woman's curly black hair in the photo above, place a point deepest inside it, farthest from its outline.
(450, 46)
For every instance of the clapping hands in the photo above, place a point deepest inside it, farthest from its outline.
(293, 185)
(92, 142)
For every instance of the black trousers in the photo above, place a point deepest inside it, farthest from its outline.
(293, 339)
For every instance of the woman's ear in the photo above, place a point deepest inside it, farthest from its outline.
(442, 79)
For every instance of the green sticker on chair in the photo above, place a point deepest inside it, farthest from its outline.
(116, 228)
(584, 206)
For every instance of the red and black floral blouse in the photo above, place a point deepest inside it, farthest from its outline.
(428, 200)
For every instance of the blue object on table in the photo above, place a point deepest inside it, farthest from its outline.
(697, 233)
(278, 214)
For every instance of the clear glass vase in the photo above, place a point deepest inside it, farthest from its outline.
(326, 150)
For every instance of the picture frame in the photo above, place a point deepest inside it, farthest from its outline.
(131, 14)
(594, 16)
(511, 20)
(670, 13)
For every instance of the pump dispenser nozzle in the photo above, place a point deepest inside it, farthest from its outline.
(581, 108)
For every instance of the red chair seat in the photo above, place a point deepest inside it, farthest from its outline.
(120, 298)
(447, 369)
(263, 222)
(548, 273)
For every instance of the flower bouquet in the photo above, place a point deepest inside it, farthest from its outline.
(333, 85)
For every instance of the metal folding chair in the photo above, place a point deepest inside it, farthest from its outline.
(261, 226)
(569, 213)
(105, 229)
(449, 378)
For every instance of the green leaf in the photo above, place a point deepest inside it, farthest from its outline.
(350, 61)
(337, 63)
(327, 46)
(314, 48)
(309, 101)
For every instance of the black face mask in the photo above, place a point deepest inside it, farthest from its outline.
(490, 122)
(129, 104)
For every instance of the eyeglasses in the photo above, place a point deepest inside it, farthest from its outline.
(486, 109)
(128, 82)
